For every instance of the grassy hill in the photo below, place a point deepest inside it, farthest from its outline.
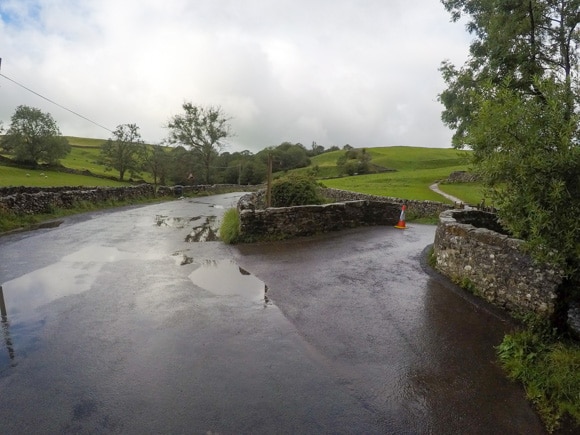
(403, 158)
(415, 169)
(83, 156)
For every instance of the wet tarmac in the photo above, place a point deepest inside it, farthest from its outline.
(128, 322)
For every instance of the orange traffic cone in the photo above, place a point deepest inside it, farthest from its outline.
(401, 225)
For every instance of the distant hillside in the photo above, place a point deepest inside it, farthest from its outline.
(83, 157)
(84, 142)
(416, 168)
(400, 158)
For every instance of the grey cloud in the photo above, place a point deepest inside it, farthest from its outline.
(334, 72)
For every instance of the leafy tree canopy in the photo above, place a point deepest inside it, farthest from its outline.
(34, 137)
(125, 151)
(201, 129)
(157, 160)
(515, 40)
(294, 189)
(286, 156)
(515, 102)
(354, 161)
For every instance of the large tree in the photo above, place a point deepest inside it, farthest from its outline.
(156, 160)
(286, 156)
(125, 151)
(515, 104)
(202, 130)
(34, 137)
(516, 40)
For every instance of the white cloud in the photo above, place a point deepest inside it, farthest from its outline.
(334, 72)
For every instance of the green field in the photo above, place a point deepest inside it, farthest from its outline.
(10, 176)
(411, 171)
(414, 170)
(83, 156)
(470, 193)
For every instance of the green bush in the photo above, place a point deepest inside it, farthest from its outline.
(549, 370)
(230, 227)
(295, 189)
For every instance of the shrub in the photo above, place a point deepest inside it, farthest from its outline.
(230, 227)
(295, 189)
(549, 370)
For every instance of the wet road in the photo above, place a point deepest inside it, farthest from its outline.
(133, 322)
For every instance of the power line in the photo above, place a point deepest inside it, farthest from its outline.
(54, 102)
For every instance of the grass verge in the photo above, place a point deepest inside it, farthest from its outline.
(469, 193)
(408, 184)
(10, 221)
(548, 368)
(230, 227)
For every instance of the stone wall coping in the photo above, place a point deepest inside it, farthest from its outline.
(494, 265)
(484, 235)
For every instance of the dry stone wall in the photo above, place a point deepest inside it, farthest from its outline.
(305, 220)
(354, 210)
(25, 200)
(470, 249)
(36, 200)
(417, 209)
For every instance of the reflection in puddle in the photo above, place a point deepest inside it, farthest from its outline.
(6, 326)
(176, 222)
(182, 259)
(226, 278)
(23, 296)
(206, 232)
(50, 224)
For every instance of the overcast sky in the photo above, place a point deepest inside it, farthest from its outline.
(362, 72)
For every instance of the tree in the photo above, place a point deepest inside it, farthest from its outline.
(34, 137)
(295, 189)
(201, 129)
(514, 103)
(286, 156)
(354, 162)
(527, 154)
(125, 151)
(316, 149)
(156, 160)
(183, 166)
(254, 172)
(515, 40)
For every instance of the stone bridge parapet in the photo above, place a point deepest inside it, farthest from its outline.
(471, 248)
(351, 210)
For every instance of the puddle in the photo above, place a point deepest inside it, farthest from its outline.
(206, 232)
(175, 222)
(182, 259)
(22, 297)
(226, 278)
(166, 221)
(50, 224)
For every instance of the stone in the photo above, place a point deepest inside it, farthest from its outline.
(496, 265)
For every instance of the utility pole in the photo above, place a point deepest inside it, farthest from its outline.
(269, 186)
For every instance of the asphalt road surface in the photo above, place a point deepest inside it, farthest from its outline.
(136, 322)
